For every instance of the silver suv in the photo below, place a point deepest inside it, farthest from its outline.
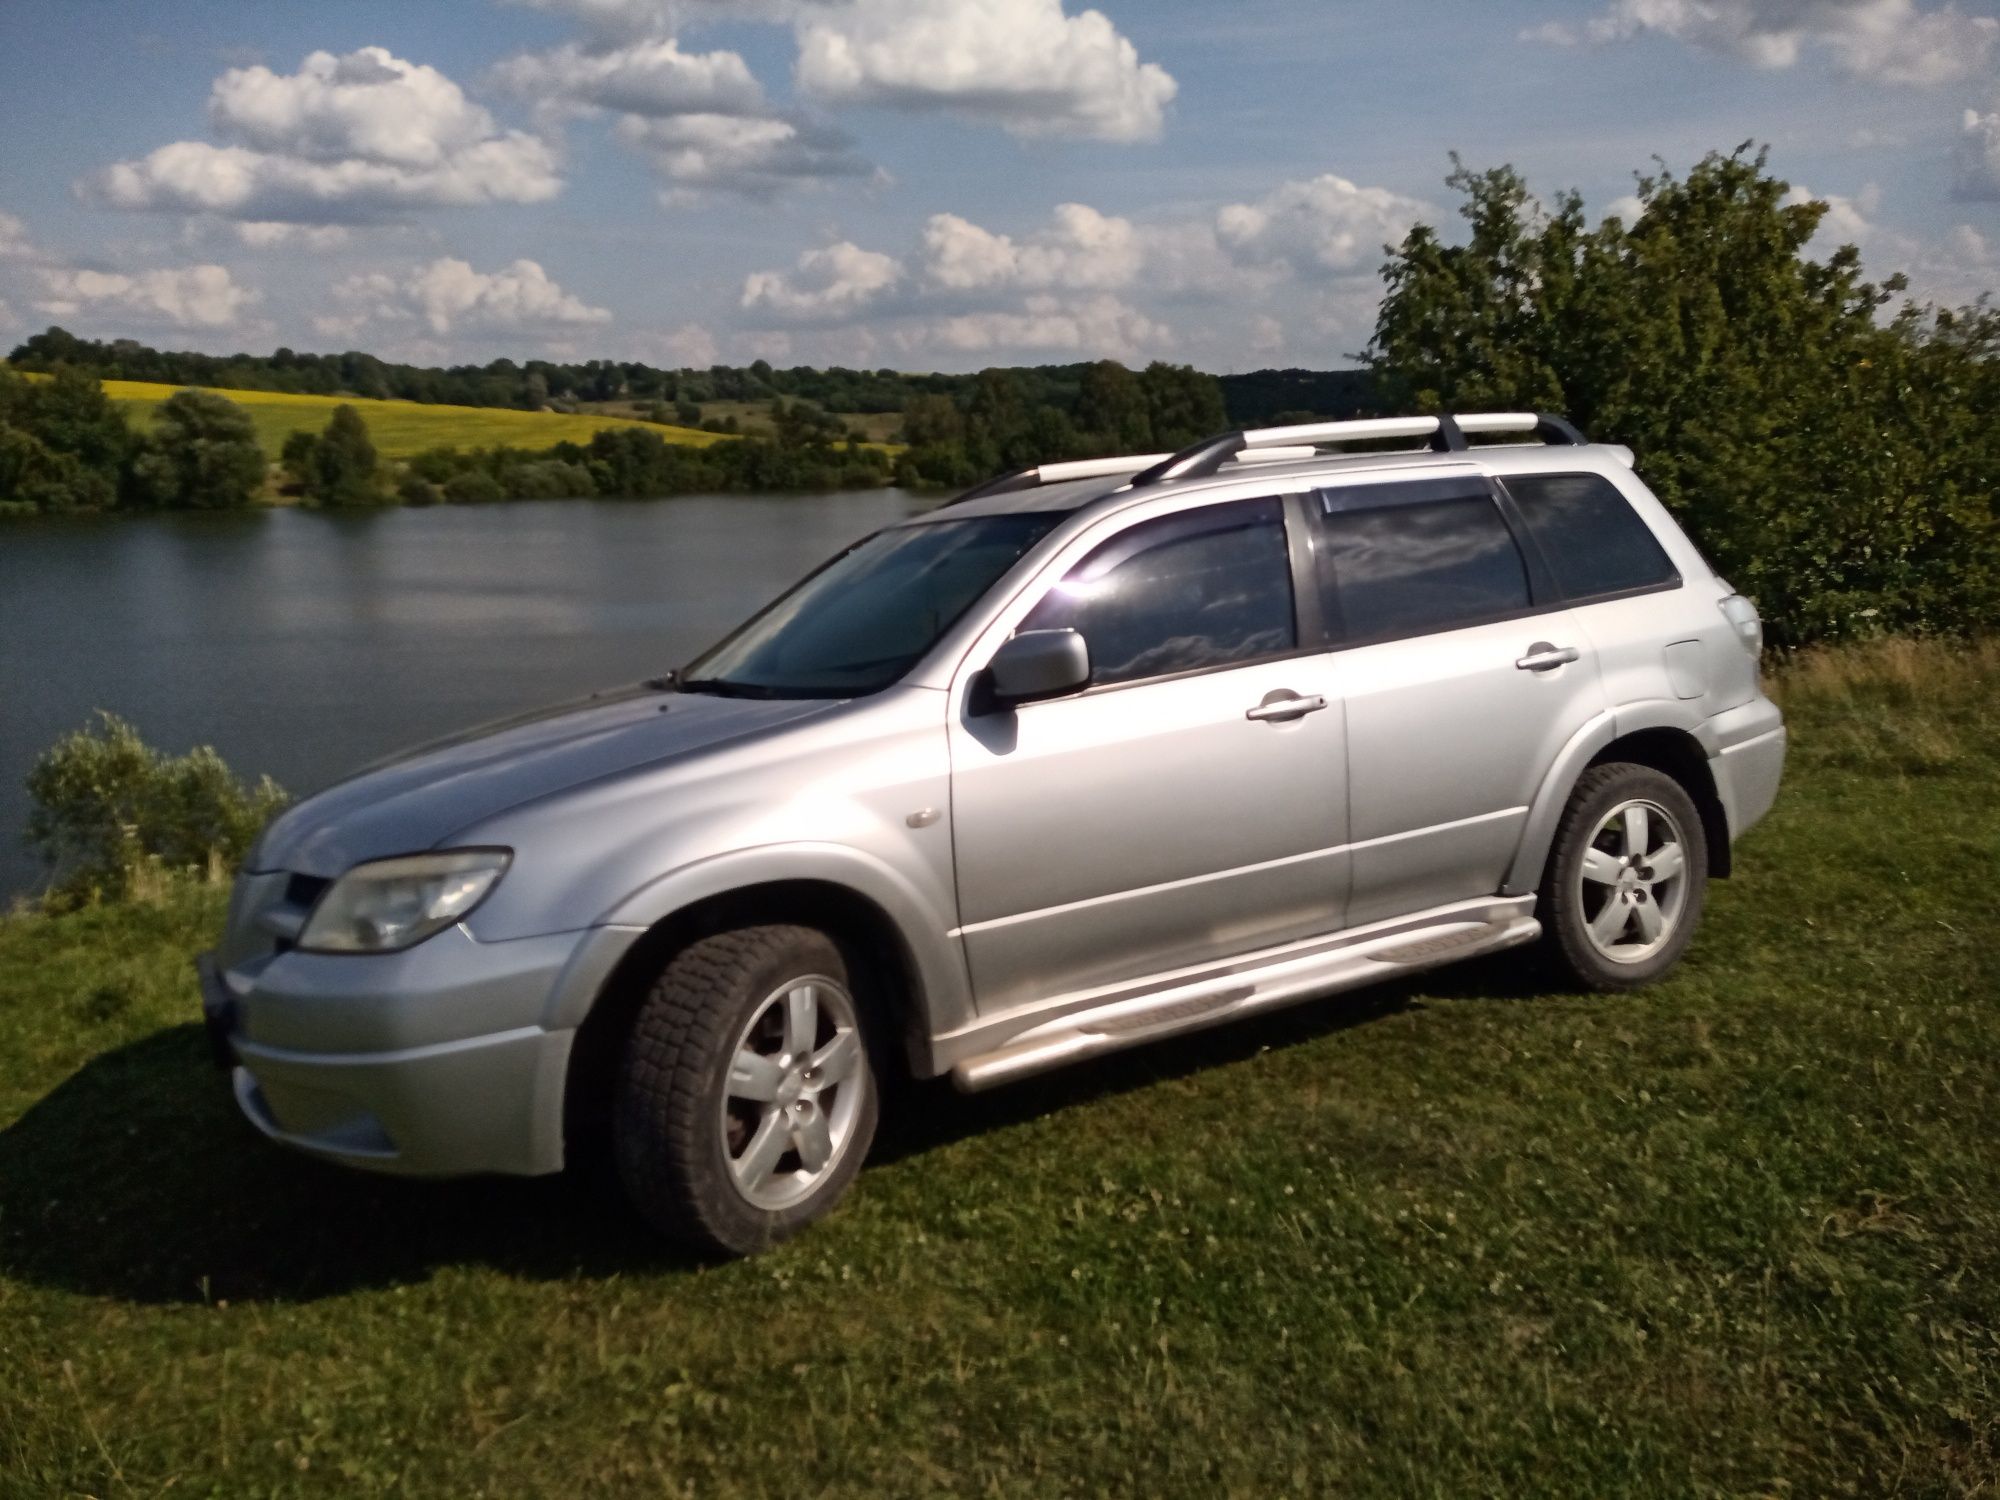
(1097, 753)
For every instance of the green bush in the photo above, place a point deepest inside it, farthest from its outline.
(547, 479)
(414, 489)
(473, 487)
(201, 455)
(63, 446)
(106, 807)
(340, 467)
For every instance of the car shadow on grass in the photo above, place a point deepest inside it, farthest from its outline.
(137, 1179)
(933, 1113)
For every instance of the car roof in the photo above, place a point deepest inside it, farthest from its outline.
(1063, 496)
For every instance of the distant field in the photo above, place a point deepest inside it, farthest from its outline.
(754, 417)
(401, 428)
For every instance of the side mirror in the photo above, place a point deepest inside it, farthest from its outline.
(1038, 664)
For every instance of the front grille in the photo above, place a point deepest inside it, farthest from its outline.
(267, 914)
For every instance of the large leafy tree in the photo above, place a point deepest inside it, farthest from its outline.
(202, 455)
(338, 465)
(1837, 466)
(63, 445)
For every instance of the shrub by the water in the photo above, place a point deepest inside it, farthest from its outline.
(107, 808)
(202, 454)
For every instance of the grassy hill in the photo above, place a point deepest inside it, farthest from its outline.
(1738, 1234)
(401, 428)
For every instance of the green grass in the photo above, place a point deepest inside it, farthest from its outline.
(1739, 1234)
(400, 428)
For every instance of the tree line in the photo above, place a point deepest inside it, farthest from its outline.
(664, 395)
(65, 446)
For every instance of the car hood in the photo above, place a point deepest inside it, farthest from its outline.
(420, 798)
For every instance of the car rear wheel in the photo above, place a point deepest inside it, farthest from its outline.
(748, 1095)
(1626, 878)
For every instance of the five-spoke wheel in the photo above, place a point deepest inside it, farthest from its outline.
(1625, 878)
(1633, 879)
(796, 1083)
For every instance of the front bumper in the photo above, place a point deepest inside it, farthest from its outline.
(439, 1061)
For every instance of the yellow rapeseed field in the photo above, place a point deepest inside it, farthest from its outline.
(400, 428)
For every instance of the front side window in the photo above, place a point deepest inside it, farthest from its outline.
(868, 616)
(1417, 566)
(1594, 541)
(1183, 593)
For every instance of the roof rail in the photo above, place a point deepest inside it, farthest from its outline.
(1447, 434)
(1040, 474)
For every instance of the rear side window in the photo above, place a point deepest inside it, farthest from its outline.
(1413, 568)
(1205, 588)
(1594, 541)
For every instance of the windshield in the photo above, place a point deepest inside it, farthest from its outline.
(865, 618)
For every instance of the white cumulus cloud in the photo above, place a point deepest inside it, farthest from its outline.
(834, 283)
(652, 76)
(1097, 326)
(265, 234)
(1978, 158)
(1890, 40)
(628, 20)
(1324, 227)
(749, 155)
(345, 139)
(1023, 65)
(182, 296)
(14, 241)
(449, 295)
(1081, 249)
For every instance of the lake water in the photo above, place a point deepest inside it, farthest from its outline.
(305, 644)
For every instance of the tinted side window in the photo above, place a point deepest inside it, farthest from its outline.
(1207, 588)
(1398, 570)
(1594, 541)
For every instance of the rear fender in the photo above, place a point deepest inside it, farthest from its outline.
(1525, 875)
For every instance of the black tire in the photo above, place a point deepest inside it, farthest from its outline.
(1567, 903)
(673, 1124)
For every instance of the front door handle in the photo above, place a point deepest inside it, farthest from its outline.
(1542, 657)
(1281, 706)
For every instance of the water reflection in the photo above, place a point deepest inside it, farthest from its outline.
(305, 644)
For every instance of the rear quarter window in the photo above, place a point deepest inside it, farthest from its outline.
(1591, 538)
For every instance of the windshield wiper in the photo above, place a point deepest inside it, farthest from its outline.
(722, 687)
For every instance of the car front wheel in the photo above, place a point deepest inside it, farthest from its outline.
(748, 1096)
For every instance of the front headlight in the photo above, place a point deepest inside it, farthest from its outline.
(393, 904)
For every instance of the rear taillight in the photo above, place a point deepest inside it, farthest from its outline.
(1743, 619)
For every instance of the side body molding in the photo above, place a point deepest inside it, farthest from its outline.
(944, 1000)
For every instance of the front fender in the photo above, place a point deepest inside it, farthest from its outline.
(944, 1001)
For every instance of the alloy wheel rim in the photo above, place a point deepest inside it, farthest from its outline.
(1632, 882)
(797, 1079)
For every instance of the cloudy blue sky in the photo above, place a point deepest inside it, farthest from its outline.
(928, 184)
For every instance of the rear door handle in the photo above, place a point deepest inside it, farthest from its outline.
(1542, 657)
(1281, 706)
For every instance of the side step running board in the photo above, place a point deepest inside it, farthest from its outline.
(1212, 997)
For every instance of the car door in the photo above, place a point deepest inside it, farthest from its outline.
(1189, 803)
(1461, 674)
